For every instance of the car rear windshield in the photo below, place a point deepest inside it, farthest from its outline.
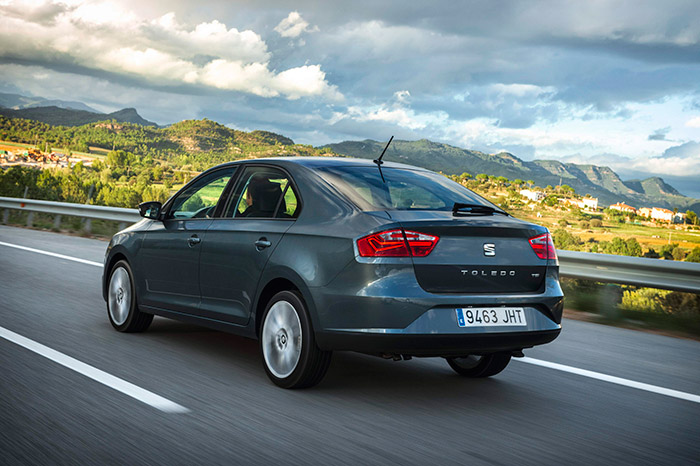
(404, 189)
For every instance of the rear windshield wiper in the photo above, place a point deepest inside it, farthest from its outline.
(460, 209)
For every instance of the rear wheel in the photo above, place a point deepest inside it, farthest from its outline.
(290, 355)
(480, 366)
(124, 314)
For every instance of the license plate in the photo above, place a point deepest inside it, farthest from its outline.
(490, 316)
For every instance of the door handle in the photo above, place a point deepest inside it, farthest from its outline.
(262, 243)
(194, 239)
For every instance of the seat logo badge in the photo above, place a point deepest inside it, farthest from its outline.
(489, 249)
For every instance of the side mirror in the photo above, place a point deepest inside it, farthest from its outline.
(150, 209)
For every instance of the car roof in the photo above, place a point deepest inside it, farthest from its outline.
(327, 162)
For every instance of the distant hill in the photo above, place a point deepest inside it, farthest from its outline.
(600, 182)
(58, 116)
(17, 102)
(191, 144)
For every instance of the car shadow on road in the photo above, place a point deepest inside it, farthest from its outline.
(351, 375)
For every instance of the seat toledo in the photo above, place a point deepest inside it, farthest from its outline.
(315, 255)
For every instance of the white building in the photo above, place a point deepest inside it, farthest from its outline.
(659, 213)
(590, 203)
(535, 196)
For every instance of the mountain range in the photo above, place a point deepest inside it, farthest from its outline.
(598, 181)
(62, 112)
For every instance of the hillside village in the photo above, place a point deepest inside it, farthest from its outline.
(12, 156)
(590, 204)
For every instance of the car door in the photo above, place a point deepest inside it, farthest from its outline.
(169, 255)
(261, 208)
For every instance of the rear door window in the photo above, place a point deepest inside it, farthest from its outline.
(263, 192)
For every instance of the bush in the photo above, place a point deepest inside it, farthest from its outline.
(694, 255)
(565, 240)
(644, 300)
(667, 251)
(622, 247)
(678, 253)
(596, 223)
(585, 225)
(563, 223)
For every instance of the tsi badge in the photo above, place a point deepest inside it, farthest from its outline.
(489, 249)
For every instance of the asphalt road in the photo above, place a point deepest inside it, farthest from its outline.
(366, 411)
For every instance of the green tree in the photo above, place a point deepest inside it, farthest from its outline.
(694, 255)
(667, 250)
(565, 240)
(678, 253)
(633, 247)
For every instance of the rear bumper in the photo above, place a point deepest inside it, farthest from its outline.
(381, 308)
(434, 345)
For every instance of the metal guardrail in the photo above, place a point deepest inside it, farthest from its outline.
(86, 211)
(639, 271)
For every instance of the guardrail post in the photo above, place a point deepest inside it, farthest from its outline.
(57, 222)
(30, 219)
(6, 216)
(121, 226)
(87, 226)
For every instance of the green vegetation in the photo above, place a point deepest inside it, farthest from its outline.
(635, 307)
(189, 145)
(142, 162)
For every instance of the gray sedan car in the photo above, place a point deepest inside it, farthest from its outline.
(314, 255)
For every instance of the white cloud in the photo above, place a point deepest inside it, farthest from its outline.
(693, 123)
(294, 25)
(402, 96)
(104, 35)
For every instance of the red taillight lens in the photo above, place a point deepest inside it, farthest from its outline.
(421, 244)
(544, 246)
(396, 243)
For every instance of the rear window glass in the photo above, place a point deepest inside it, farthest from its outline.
(403, 190)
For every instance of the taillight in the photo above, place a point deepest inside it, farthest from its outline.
(396, 243)
(543, 246)
(420, 244)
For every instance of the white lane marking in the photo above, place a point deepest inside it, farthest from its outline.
(536, 362)
(612, 379)
(60, 256)
(95, 374)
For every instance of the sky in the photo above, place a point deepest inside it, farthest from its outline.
(613, 83)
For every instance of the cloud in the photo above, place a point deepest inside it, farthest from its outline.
(693, 123)
(164, 52)
(44, 14)
(682, 160)
(293, 26)
(659, 134)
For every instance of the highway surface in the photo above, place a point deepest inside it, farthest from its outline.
(60, 362)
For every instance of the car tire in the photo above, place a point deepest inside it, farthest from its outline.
(287, 344)
(122, 310)
(480, 366)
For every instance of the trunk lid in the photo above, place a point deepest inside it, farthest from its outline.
(476, 253)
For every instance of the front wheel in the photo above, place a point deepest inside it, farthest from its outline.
(124, 314)
(479, 366)
(290, 355)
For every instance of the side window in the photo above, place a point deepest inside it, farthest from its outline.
(199, 199)
(263, 192)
